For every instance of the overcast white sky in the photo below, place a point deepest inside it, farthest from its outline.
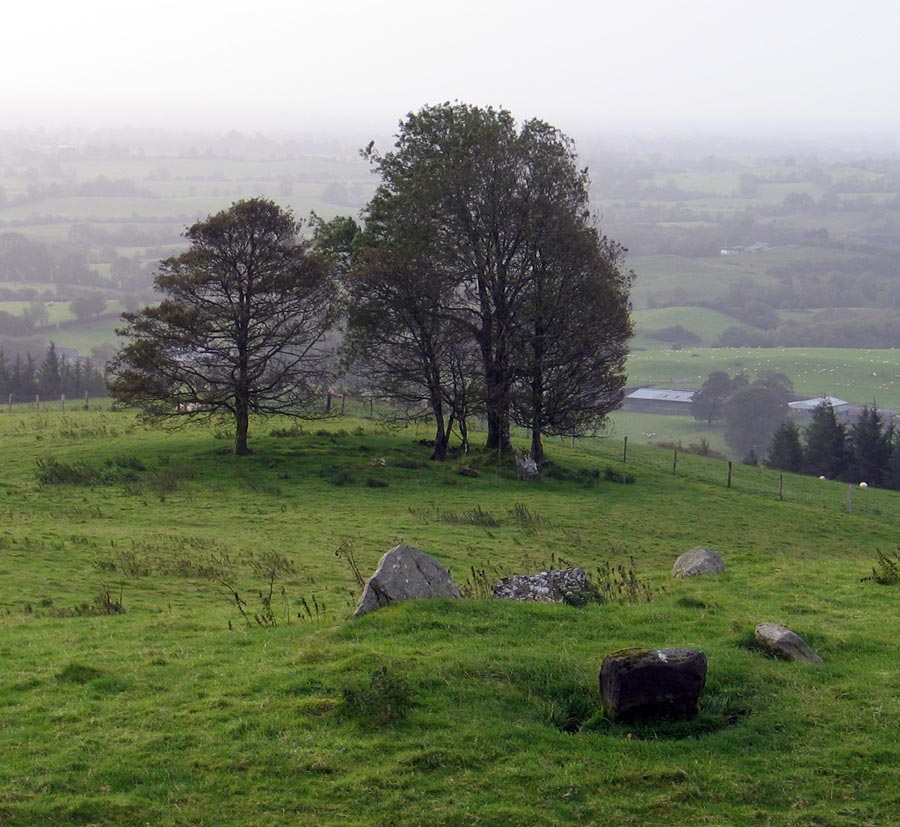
(643, 65)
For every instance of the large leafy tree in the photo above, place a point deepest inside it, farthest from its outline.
(495, 218)
(709, 402)
(242, 328)
(752, 415)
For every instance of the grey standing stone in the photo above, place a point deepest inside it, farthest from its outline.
(637, 684)
(405, 573)
(785, 644)
(698, 560)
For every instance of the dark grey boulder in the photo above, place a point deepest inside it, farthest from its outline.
(785, 644)
(405, 573)
(638, 684)
(554, 586)
(698, 560)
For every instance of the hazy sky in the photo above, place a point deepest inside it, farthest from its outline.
(643, 65)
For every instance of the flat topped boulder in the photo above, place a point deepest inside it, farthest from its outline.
(553, 586)
(697, 561)
(785, 644)
(638, 684)
(405, 573)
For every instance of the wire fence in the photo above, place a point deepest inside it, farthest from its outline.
(752, 480)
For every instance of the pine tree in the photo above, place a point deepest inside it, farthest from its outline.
(826, 444)
(870, 448)
(786, 451)
(49, 380)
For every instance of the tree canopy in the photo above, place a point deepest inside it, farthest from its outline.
(242, 327)
(481, 229)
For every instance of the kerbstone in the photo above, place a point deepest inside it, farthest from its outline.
(638, 684)
(785, 644)
(406, 573)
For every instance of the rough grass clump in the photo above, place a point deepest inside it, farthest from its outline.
(620, 584)
(386, 698)
(78, 673)
(611, 475)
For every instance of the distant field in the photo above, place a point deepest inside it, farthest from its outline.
(646, 429)
(859, 376)
(84, 338)
(708, 324)
(687, 280)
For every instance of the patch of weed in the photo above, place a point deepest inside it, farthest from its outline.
(384, 700)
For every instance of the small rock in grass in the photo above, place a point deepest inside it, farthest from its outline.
(785, 644)
(698, 560)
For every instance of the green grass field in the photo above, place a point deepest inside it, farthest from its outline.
(178, 710)
(705, 323)
(859, 376)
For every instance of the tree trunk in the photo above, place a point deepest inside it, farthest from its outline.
(439, 454)
(537, 446)
(441, 433)
(242, 426)
(497, 412)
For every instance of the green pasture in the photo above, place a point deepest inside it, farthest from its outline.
(56, 311)
(706, 323)
(649, 429)
(696, 279)
(85, 337)
(859, 376)
(134, 690)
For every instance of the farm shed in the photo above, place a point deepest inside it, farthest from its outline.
(659, 400)
(806, 407)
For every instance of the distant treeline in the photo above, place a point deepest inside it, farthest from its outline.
(24, 379)
(100, 187)
(23, 259)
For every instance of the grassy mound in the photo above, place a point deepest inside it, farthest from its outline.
(178, 645)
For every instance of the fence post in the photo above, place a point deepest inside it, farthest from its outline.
(781, 487)
(62, 398)
(850, 499)
(85, 400)
(675, 461)
(625, 451)
(729, 473)
(10, 403)
(343, 402)
(37, 401)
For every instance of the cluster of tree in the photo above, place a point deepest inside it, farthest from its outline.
(24, 259)
(752, 411)
(23, 379)
(100, 187)
(866, 451)
(478, 285)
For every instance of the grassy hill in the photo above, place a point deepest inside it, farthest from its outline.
(136, 688)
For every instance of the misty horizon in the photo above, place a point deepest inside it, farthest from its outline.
(807, 71)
